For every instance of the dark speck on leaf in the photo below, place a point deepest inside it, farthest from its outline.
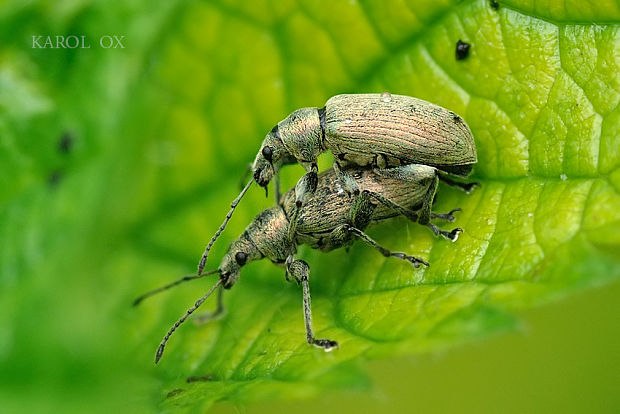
(65, 143)
(495, 4)
(54, 178)
(201, 378)
(462, 50)
(175, 392)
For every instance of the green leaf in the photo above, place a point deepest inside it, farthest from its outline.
(164, 128)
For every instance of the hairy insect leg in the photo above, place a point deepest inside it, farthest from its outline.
(292, 226)
(288, 262)
(413, 216)
(422, 179)
(451, 235)
(410, 214)
(422, 176)
(306, 185)
(303, 189)
(424, 216)
(354, 231)
(446, 216)
(300, 270)
(360, 214)
(348, 182)
(219, 310)
(467, 187)
(361, 210)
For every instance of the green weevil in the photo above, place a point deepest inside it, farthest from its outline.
(331, 218)
(363, 130)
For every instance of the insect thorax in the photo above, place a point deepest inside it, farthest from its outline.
(269, 233)
(302, 134)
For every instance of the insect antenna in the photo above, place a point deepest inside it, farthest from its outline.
(139, 299)
(160, 350)
(233, 205)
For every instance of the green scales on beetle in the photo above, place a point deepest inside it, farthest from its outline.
(390, 153)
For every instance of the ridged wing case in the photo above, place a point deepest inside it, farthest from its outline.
(391, 130)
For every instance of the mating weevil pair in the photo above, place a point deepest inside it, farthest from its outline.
(390, 153)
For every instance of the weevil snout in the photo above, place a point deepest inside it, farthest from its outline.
(270, 154)
(229, 279)
(229, 272)
(263, 173)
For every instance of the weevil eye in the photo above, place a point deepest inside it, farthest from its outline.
(241, 258)
(267, 153)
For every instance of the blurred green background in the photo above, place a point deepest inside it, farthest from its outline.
(118, 164)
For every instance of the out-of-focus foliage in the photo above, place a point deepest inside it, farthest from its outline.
(157, 135)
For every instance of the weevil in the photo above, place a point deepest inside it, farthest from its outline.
(362, 130)
(331, 218)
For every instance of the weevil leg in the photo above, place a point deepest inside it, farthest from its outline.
(303, 189)
(306, 184)
(348, 182)
(361, 210)
(219, 310)
(414, 175)
(451, 235)
(412, 215)
(425, 213)
(424, 216)
(290, 259)
(421, 177)
(359, 217)
(292, 226)
(416, 261)
(445, 216)
(467, 187)
(300, 270)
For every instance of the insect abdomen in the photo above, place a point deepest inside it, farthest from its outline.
(390, 130)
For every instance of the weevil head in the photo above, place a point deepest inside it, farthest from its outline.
(241, 252)
(271, 152)
(298, 137)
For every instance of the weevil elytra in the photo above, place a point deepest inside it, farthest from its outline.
(331, 218)
(362, 130)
